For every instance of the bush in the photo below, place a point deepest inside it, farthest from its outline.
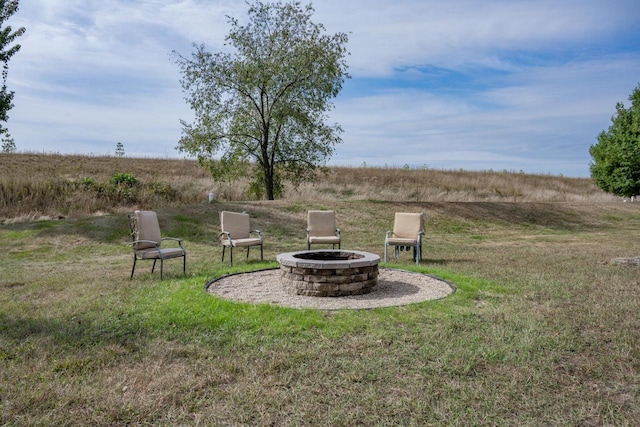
(123, 180)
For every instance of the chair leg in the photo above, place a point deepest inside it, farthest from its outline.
(134, 267)
(248, 247)
(154, 265)
(184, 264)
(231, 254)
(385, 251)
(223, 248)
(261, 257)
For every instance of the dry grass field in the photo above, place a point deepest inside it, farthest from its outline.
(543, 328)
(50, 186)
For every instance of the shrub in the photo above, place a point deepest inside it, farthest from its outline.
(123, 180)
(87, 182)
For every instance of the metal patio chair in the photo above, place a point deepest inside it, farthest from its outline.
(408, 229)
(236, 232)
(321, 229)
(147, 241)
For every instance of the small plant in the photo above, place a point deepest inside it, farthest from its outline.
(87, 182)
(123, 180)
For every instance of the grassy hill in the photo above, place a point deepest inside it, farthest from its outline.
(50, 186)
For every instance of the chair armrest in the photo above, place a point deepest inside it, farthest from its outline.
(338, 232)
(258, 232)
(143, 241)
(174, 239)
(171, 238)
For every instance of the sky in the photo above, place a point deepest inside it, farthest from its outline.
(515, 85)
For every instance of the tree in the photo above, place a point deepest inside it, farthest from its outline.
(8, 144)
(262, 108)
(7, 36)
(616, 156)
(119, 149)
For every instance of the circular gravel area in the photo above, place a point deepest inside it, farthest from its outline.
(395, 287)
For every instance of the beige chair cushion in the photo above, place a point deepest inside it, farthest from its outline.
(401, 242)
(155, 253)
(324, 239)
(147, 228)
(406, 227)
(252, 241)
(322, 224)
(237, 225)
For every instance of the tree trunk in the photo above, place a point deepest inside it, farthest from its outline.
(268, 182)
(269, 188)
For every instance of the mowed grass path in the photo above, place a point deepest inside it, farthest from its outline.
(543, 329)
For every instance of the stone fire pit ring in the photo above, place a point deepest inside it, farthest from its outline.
(329, 273)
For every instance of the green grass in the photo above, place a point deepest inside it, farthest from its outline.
(542, 330)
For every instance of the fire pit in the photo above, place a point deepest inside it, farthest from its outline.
(329, 273)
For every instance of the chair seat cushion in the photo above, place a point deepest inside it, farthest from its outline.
(252, 241)
(324, 239)
(401, 241)
(166, 253)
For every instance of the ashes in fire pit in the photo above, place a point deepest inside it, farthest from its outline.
(329, 273)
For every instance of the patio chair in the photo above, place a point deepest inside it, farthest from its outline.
(236, 232)
(146, 242)
(321, 229)
(408, 229)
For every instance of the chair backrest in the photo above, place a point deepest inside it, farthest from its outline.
(146, 227)
(238, 225)
(407, 225)
(321, 223)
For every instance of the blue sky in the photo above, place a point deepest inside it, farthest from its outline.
(519, 85)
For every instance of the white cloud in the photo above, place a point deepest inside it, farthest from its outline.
(386, 35)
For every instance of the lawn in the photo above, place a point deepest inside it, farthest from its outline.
(543, 328)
